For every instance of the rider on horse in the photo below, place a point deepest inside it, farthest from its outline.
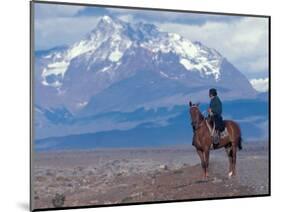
(203, 139)
(215, 111)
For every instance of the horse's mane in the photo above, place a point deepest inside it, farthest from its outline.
(201, 116)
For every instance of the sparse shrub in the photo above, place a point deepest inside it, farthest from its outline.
(58, 200)
(126, 199)
(178, 171)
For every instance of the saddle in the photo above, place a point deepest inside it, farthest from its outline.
(211, 126)
(224, 133)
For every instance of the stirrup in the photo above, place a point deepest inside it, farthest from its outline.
(215, 142)
(214, 146)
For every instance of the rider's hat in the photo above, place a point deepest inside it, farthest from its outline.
(213, 92)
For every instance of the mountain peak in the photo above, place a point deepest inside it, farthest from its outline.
(109, 25)
(106, 18)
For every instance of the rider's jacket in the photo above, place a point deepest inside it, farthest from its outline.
(216, 106)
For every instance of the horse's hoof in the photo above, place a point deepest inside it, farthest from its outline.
(230, 174)
(205, 178)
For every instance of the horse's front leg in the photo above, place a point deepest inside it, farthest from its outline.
(206, 155)
(203, 164)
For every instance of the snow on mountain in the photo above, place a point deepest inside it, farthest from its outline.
(107, 30)
(193, 56)
(118, 36)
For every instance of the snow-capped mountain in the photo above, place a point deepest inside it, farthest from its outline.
(122, 66)
(112, 38)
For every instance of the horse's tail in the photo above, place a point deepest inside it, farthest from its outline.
(240, 143)
(236, 129)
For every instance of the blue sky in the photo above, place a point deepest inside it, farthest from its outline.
(242, 40)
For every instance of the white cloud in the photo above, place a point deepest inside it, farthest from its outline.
(51, 32)
(260, 85)
(244, 42)
(55, 10)
(258, 64)
(127, 18)
(57, 25)
(151, 15)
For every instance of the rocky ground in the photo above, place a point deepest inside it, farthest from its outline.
(110, 176)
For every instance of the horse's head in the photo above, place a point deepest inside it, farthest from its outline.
(195, 114)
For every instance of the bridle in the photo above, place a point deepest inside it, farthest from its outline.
(196, 125)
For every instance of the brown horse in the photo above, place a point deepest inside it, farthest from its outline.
(202, 139)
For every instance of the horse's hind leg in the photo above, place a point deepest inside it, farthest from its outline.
(234, 151)
(229, 154)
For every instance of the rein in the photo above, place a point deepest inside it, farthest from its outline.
(199, 125)
(208, 126)
(212, 131)
(202, 122)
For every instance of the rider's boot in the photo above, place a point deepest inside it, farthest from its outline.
(216, 139)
